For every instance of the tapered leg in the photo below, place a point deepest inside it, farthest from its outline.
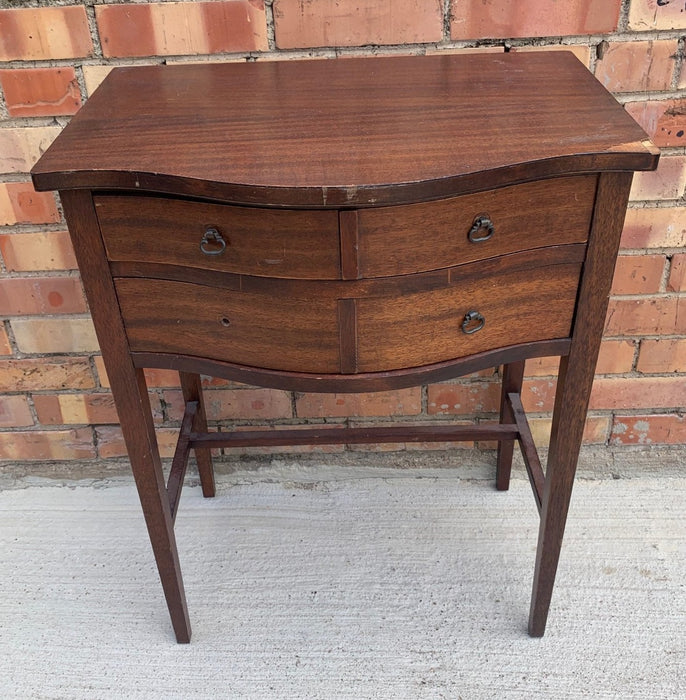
(574, 387)
(513, 374)
(131, 398)
(139, 434)
(192, 391)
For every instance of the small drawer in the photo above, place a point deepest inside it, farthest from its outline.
(265, 242)
(423, 328)
(280, 332)
(432, 235)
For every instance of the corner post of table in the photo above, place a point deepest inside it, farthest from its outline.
(192, 391)
(513, 375)
(574, 384)
(131, 398)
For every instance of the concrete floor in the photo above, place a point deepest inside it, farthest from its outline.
(307, 581)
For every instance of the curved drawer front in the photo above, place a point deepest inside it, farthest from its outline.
(257, 330)
(427, 327)
(432, 235)
(265, 242)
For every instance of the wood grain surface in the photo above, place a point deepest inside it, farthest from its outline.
(359, 131)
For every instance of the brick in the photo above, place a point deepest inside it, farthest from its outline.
(596, 430)
(21, 204)
(655, 228)
(638, 274)
(20, 296)
(93, 76)
(483, 19)
(40, 92)
(235, 404)
(154, 378)
(300, 24)
(581, 51)
(37, 34)
(677, 274)
(638, 393)
(648, 316)
(404, 402)
(182, 28)
(5, 347)
(451, 50)
(645, 15)
(41, 374)
(666, 429)
(24, 252)
(463, 398)
(663, 120)
(59, 409)
(15, 412)
(542, 366)
(616, 357)
(110, 441)
(538, 395)
(662, 355)
(54, 335)
(667, 182)
(21, 147)
(637, 66)
(47, 445)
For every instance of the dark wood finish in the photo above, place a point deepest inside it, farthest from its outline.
(518, 308)
(133, 405)
(382, 286)
(351, 383)
(528, 447)
(393, 240)
(192, 392)
(513, 375)
(347, 329)
(328, 435)
(288, 333)
(344, 192)
(574, 383)
(180, 459)
(350, 243)
(344, 133)
(280, 243)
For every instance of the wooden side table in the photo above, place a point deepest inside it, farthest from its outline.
(351, 225)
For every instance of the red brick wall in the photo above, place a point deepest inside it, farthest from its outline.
(55, 403)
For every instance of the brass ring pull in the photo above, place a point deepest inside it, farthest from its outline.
(212, 242)
(473, 321)
(482, 229)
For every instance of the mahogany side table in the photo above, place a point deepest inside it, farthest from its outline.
(352, 225)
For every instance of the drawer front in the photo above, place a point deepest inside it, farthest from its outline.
(265, 242)
(427, 327)
(419, 237)
(257, 330)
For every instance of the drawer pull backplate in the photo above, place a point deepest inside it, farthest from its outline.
(473, 322)
(212, 242)
(482, 229)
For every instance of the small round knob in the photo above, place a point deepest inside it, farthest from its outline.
(482, 229)
(473, 321)
(212, 242)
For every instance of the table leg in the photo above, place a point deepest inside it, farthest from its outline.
(192, 391)
(513, 374)
(141, 444)
(574, 384)
(131, 398)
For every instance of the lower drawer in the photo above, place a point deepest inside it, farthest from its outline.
(257, 330)
(423, 328)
